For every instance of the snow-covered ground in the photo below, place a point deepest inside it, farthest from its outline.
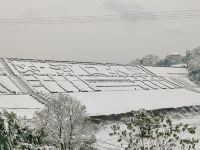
(115, 102)
(22, 105)
(112, 89)
(106, 142)
(110, 102)
(47, 76)
(168, 71)
(123, 88)
(179, 76)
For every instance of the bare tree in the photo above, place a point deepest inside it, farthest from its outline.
(65, 122)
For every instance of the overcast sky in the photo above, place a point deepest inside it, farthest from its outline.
(118, 42)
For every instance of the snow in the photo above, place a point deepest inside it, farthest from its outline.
(105, 142)
(143, 85)
(159, 84)
(44, 78)
(90, 69)
(81, 85)
(71, 76)
(78, 70)
(78, 83)
(58, 78)
(168, 71)
(30, 78)
(179, 65)
(184, 82)
(104, 70)
(7, 83)
(67, 86)
(168, 85)
(117, 82)
(3, 90)
(118, 88)
(41, 89)
(34, 83)
(22, 105)
(116, 102)
(150, 84)
(1, 66)
(52, 86)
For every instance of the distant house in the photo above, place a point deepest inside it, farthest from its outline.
(146, 61)
(150, 60)
(175, 58)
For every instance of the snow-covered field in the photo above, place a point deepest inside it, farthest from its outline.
(22, 105)
(48, 76)
(168, 71)
(109, 102)
(115, 102)
(104, 89)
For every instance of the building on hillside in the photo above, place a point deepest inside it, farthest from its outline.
(150, 60)
(175, 58)
(146, 61)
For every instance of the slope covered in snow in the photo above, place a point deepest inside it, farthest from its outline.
(174, 75)
(104, 88)
(22, 105)
(168, 71)
(115, 102)
(61, 76)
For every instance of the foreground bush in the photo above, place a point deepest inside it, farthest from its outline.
(151, 131)
(16, 134)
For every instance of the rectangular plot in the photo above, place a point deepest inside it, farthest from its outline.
(8, 84)
(142, 84)
(41, 89)
(128, 88)
(67, 86)
(168, 84)
(159, 84)
(52, 86)
(151, 84)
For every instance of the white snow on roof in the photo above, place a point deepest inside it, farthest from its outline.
(115, 102)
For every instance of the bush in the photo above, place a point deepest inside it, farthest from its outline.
(151, 131)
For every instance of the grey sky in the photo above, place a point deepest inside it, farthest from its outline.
(103, 42)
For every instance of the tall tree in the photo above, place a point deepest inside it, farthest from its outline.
(64, 120)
